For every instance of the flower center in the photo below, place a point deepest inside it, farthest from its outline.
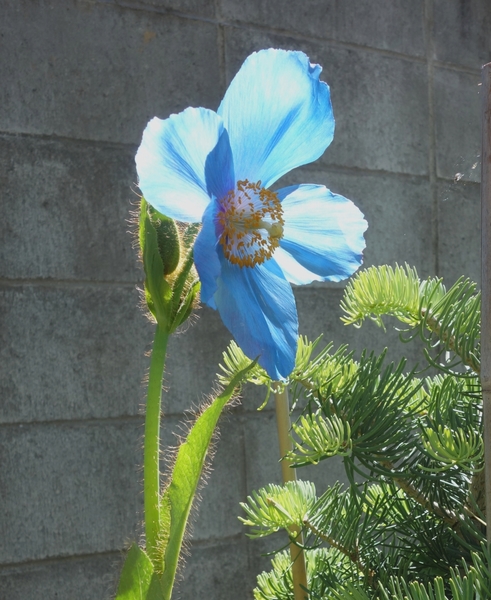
(251, 220)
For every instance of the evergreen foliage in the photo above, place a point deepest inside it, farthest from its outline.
(410, 524)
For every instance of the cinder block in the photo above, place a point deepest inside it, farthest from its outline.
(457, 124)
(261, 552)
(394, 25)
(462, 32)
(192, 361)
(324, 474)
(206, 569)
(392, 206)
(66, 210)
(319, 312)
(263, 457)
(398, 210)
(74, 578)
(69, 488)
(309, 17)
(100, 71)
(380, 102)
(193, 356)
(204, 8)
(216, 571)
(224, 489)
(385, 24)
(214, 514)
(71, 352)
(459, 224)
(261, 450)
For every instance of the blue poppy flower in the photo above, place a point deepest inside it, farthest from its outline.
(216, 168)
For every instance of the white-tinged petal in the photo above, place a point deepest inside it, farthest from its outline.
(293, 271)
(323, 234)
(174, 158)
(278, 115)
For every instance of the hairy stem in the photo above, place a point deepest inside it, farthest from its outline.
(151, 454)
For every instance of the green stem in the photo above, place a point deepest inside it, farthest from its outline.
(151, 469)
(299, 571)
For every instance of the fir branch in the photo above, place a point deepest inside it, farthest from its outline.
(450, 341)
(422, 500)
(353, 555)
(451, 317)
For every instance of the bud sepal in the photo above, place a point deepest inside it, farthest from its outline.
(171, 284)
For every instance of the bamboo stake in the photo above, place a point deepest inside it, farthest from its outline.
(299, 571)
(486, 281)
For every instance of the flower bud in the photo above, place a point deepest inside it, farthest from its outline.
(167, 239)
(171, 283)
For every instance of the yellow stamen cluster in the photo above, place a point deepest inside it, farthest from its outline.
(252, 222)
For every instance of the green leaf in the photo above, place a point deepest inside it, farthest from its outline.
(178, 497)
(138, 579)
(187, 306)
(181, 283)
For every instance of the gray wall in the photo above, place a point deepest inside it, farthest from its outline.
(78, 82)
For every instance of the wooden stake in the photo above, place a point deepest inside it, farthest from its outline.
(299, 571)
(486, 281)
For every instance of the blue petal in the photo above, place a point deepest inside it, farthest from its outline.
(258, 307)
(206, 258)
(278, 115)
(219, 168)
(172, 159)
(322, 236)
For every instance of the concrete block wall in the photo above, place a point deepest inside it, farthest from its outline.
(79, 80)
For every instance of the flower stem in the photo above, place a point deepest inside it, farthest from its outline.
(299, 571)
(151, 469)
